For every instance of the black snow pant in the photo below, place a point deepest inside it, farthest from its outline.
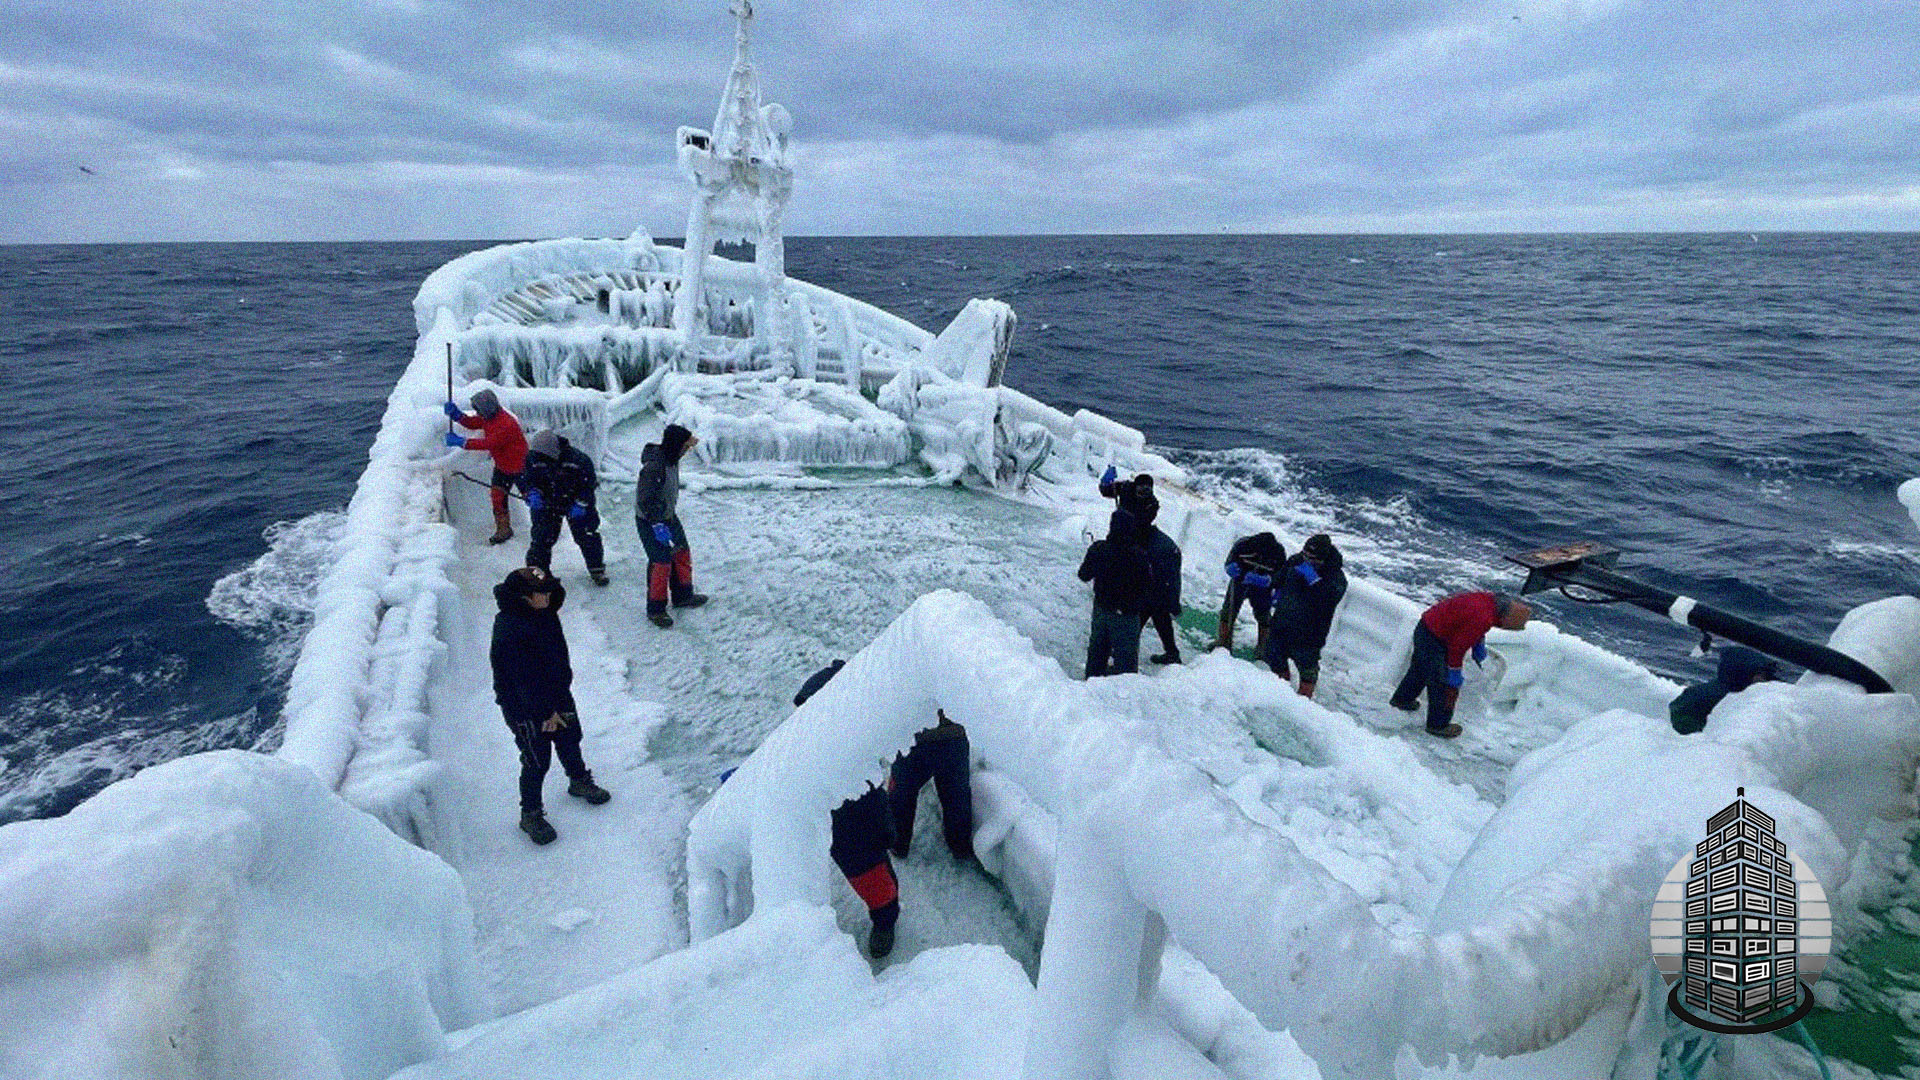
(546, 530)
(1427, 670)
(537, 749)
(949, 764)
(1163, 625)
(1113, 645)
(862, 832)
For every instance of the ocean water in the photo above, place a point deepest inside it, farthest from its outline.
(1733, 411)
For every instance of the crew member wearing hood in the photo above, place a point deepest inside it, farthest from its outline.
(1164, 605)
(501, 437)
(1253, 565)
(656, 497)
(1740, 667)
(1306, 597)
(1123, 590)
(559, 483)
(532, 681)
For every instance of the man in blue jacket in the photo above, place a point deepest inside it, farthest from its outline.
(1309, 592)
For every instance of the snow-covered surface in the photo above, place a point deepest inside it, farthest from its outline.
(226, 915)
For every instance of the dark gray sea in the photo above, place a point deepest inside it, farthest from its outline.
(184, 424)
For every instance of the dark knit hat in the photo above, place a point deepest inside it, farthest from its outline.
(546, 443)
(673, 441)
(486, 403)
(529, 580)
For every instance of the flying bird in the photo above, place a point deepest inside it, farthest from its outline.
(84, 169)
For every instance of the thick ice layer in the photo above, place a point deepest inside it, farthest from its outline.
(786, 995)
(465, 286)
(226, 916)
(749, 419)
(1543, 924)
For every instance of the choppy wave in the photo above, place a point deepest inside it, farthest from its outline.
(271, 599)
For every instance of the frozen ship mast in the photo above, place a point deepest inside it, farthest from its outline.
(742, 176)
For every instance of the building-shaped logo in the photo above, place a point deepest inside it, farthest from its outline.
(1740, 961)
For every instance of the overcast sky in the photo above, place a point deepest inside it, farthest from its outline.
(404, 119)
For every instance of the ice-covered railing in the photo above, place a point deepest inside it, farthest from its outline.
(1543, 925)
(356, 710)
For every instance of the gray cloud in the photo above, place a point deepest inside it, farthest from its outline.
(426, 118)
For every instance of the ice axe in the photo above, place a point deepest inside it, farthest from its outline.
(484, 484)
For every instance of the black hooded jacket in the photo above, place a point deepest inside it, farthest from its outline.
(1260, 552)
(562, 481)
(656, 491)
(1118, 566)
(1302, 611)
(532, 678)
(1739, 667)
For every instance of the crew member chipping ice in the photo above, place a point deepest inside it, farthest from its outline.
(559, 483)
(1445, 634)
(1307, 596)
(862, 833)
(532, 680)
(500, 436)
(1123, 587)
(1253, 564)
(1740, 667)
(655, 499)
(940, 753)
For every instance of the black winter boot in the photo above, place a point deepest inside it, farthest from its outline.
(534, 824)
(585, 788)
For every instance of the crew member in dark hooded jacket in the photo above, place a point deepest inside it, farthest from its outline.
(1123, 587)
(532, 681)
(1740, 667)
(1164, 606)
(862, 834)
(559, 485)
(1253, 566)
(656, 500)
(1308, 594)
(500, 436)
(1129, 495)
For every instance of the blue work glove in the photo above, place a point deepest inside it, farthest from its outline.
(1234, 572)
(1307, 572)
(578, 511)
(662, 533)
(1107, 478)
(1257, 581)
(534, 501)
(452, 410)
(1456, 678)
(456, 440)
(1479, 652)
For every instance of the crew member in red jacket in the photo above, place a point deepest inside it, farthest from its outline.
(1443, 637)
(500, 436)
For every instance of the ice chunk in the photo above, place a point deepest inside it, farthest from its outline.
(224, 915)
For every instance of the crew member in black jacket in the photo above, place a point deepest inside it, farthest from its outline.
(1164, 606)
(1123, 588)
(1253, 565)
(532, 680)
(1306, 597)
(862, 832)
(559, 483)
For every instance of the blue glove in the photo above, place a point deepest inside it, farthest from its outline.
(1107, 478)
(662, 533)
(456, 440)
(1305, 570)
(1456, 678)
(578, 511)
(1234, 571)
(452, 410)
(1256, 581)
(534, 501)
(1479, 652)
